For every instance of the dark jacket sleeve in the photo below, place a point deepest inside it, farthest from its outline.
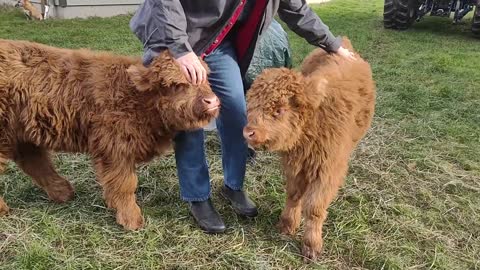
(301, 19)
(161, 24)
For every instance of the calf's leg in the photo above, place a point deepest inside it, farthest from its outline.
(36, 163)
(292, 213)
(3, 207)
(3, 163)
(119, 183)
(317, 199)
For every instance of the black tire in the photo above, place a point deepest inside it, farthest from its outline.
(399, 14)
(476, 21)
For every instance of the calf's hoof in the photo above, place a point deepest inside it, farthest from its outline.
(131, 218)
(61, 193)
(286, 226)
(311, 253)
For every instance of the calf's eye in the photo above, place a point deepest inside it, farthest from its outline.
(279, 112)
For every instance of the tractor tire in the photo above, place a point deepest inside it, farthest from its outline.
(399, 14)
(476, 21)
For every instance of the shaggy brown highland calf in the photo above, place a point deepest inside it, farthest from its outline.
(314, 119)
(111, 107)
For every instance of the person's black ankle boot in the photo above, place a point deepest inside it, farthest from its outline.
(207, 218)
(241, 204)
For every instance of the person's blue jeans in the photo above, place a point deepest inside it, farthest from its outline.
(192, 168)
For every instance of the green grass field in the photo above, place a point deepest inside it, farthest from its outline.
(411, 200)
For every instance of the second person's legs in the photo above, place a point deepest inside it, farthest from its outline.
(226, 81)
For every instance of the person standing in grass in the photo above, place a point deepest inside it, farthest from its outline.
(223, 33)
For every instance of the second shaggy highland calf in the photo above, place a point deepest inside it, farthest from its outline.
(314, 119)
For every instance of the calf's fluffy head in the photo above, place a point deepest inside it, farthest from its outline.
(280, 102)
(181, 104)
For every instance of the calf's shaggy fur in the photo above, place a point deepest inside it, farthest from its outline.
(314, 119)
(111, 107)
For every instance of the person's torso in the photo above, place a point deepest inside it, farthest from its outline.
(207, 18)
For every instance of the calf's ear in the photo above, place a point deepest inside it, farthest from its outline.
(140, 76)
(315, 90)
(166, 71)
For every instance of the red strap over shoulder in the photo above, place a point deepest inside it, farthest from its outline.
(246, 33)
(227, 29)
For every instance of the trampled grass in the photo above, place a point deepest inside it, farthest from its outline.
(411, 200)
